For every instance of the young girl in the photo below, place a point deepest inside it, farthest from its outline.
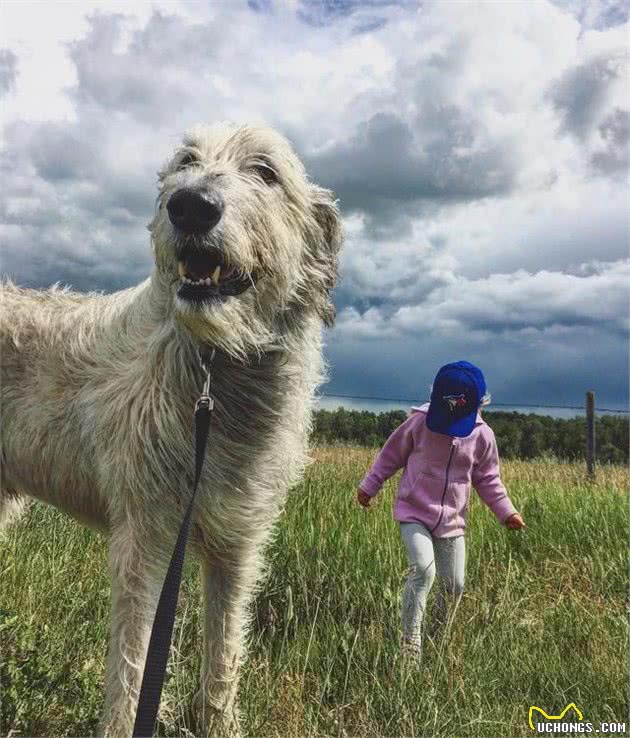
(443, 446)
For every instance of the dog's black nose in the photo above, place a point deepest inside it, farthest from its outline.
(194, 212)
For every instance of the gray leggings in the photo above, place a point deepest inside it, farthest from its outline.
(429, 556)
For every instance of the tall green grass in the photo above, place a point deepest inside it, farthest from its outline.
(542, 621)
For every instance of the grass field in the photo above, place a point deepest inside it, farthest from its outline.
(542, 622)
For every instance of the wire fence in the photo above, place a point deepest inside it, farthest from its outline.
(408, 400)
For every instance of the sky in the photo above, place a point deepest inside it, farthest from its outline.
(479, 152)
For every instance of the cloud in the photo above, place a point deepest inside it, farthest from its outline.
(441, 156)
(158, 71)
(591, 98)
(364, 13)
(479, 158)
(596, 14)
(612, 158)
(582, 92)
(504, 304)
(548, 366)
(8, 71)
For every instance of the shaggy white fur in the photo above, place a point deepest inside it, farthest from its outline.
(98, 392)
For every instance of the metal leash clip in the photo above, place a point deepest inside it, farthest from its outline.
(206, 401)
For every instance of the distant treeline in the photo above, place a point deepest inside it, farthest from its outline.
(519, 436)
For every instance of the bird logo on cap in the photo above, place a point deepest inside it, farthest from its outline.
(455, 401)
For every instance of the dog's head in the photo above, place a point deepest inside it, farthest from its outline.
(241, 237)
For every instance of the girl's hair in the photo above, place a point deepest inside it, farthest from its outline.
(485, 400)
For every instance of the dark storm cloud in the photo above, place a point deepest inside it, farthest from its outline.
(260, 6)
(8, 71)
(326, 12)
(390, 164)
(71, 157)
(70, 212)
(597, 14)
(580, 94)
(158, 72)
(614, 14)
(57, 151)
(615, 132)
(502, 307)
(38, 257)
(536, 367)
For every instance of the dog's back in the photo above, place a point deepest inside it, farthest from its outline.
(41, 449)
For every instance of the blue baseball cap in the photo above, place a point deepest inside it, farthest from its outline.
(457, 391)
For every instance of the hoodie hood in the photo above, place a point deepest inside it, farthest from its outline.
(425, 409)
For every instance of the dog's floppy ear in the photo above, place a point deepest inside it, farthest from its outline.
(325, 250)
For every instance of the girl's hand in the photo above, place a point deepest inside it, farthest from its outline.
(363, 499)
(514, 522)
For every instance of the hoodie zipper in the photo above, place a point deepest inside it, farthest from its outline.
(445, 487)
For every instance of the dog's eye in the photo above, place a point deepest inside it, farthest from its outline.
(266, 173)
(187, 160)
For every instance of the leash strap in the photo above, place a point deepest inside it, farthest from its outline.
(162, 632)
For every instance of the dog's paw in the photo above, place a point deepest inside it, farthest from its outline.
(214, 721)
(222, 725)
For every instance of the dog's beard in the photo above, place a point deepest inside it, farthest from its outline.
(237, 326)
(238, 319)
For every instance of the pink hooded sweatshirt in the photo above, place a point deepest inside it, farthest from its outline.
(435, 486)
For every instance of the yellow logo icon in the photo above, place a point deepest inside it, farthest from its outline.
(572, 706)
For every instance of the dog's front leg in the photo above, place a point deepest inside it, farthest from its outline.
(137, 571)
(227, 589)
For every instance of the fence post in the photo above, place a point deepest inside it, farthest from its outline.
(590, 434)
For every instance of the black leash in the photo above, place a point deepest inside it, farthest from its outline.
(161, 634)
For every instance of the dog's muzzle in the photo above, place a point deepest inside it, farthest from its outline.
(205, 274)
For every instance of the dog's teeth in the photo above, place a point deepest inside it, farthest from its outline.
(181, 269)
(215, 275)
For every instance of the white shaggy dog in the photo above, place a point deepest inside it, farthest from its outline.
(98, 392)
